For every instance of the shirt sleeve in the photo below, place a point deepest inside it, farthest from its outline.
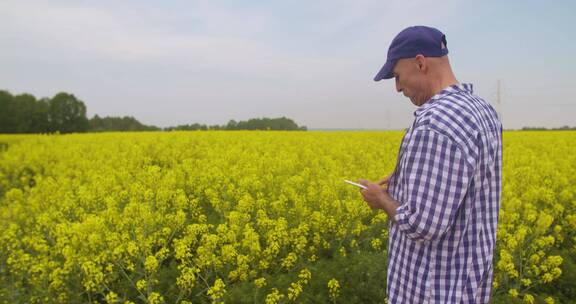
(435, 178)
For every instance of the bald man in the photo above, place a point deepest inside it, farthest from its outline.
(443, 197)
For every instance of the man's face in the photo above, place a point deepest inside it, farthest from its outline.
(411, 81)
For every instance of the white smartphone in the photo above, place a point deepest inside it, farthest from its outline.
(355, 184)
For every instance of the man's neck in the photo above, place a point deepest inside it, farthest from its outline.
(443, 83)
(440, 85)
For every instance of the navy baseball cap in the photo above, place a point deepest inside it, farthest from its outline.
(414, 40)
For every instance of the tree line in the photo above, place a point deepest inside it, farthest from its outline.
(563, 128)
(64, 113)
(281, 123)
(24, 113)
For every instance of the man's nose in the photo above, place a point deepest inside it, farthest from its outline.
(398, 88)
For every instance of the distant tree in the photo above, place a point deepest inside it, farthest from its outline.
(24, 105)
(126, 123)
(232, 125)
(22, 114)
(7, 117)
(563, 128)
(31, 115)
(67, 114)
(96, 124)
(192, 127)
(39, 117)
(534, 128)
(281, 123)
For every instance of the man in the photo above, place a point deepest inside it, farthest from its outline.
(443, 198)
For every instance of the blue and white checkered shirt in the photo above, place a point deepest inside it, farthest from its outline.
(448, 180)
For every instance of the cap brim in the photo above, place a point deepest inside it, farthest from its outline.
(386, 71)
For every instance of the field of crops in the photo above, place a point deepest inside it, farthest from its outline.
(250, 217)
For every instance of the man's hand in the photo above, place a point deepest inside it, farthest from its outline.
(384, 182)
(374, 194)
(377, 197)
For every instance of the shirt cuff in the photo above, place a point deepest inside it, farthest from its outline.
(402, 218)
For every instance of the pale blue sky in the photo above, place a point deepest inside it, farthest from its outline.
(177, 62)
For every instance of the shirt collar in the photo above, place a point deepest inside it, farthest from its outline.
(455, 88)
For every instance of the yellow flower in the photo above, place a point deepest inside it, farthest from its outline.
(123, 208)
(342, 251)
(333, 289)
(294, 290)
(376, 244)
(274, 297)
(151, 264)
(549, 300)
(305, 275)
(141, 285)
(111, 297)
(155, 298)
(187, 278)
(261, 282)
(290, 260)
(528, 298)
(217, 291)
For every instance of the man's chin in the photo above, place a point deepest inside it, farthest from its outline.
(416, 102)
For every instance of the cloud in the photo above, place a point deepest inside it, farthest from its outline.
(209, 36)
(221, 40)
(314, 58)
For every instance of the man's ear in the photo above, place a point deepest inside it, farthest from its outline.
(421, 63)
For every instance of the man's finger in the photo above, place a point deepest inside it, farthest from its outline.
(385, 180)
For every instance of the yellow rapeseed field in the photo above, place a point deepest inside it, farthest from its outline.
(250, 217)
